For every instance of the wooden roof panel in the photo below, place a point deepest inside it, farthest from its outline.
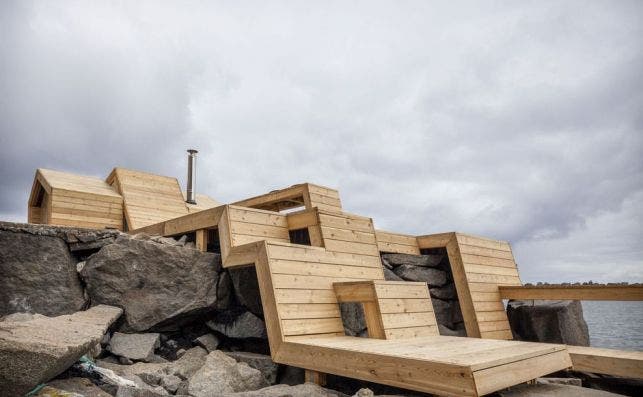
(51, 179)
(148, 198)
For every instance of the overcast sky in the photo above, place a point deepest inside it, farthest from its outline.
(520, 121)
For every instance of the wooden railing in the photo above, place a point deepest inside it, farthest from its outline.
(574, 292)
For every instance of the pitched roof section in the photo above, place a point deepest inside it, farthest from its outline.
(50, 179)
(147, 198)
(203, 202)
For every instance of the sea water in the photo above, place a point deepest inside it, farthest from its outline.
(616, 325)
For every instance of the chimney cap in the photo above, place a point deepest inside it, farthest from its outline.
(193, 151)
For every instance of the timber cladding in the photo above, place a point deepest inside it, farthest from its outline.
(126, 200)
(351, 234)
(303, 277)
(249, 225)
(392, 309)
(479, 266)
(300, 301)
(59, 198)
(323, 198)
(301, 286)
(148, 198)
(397, 243)
(305, 195)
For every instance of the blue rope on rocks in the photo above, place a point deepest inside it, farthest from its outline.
(86, 359)
(35, 391)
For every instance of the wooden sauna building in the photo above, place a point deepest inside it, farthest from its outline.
(310, 255)
(125, 200)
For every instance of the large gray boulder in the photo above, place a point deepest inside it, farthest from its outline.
(225, 289)
(353, 318)
(159, 286)
(395, 260)
(389, 275)
(259, 362)
(246, 288)
(433, 277)
(444, 331)
(443, 312)
(209, 342)
(134, 346)
(36, 350)
(37, 275)
(239, 326)
(222, 374)
(447, 292)
(548, 321)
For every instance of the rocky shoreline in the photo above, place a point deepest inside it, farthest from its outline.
(102, 313)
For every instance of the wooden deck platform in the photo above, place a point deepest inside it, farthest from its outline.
(624, 363)
(305, 329)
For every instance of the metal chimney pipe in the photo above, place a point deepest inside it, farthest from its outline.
(191, 189)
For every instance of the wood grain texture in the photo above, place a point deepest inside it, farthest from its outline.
(147, 198)
(628, 364)
(479, 266)
(574, 292)
(396, 243)
(64, 199)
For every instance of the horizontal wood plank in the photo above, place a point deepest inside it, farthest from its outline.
(574, 292)
(404, 305)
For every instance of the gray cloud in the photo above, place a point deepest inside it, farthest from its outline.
(515, 121)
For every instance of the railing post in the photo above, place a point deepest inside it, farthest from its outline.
(318, 378)
(202, 240)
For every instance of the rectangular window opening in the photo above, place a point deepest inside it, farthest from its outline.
(299, 236)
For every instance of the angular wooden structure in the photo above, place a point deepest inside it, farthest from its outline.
(302, 285)
(479, 265)
(485, 273)
(126, 200)
(60, 198)
(309, 260)
(305, 195)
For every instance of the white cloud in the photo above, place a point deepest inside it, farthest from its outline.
(512, 120)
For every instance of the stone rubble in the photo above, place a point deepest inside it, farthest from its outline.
(138, 347)
(208, 341)
(222, 374)
(260, 362)
(244, 325)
